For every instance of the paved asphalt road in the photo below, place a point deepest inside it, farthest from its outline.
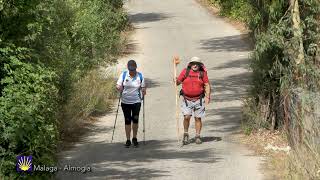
(165, 28)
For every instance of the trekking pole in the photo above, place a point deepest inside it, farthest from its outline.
(144, 130)
(115, 121)
(176, 61)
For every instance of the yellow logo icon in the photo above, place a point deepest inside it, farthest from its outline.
(24, 163)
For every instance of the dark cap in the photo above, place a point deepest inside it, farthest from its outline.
(132, 65)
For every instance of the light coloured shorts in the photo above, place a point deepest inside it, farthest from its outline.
(193, 108)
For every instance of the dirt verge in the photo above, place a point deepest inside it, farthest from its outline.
(273, 147)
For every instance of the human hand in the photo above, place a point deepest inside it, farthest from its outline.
(119, 88)
(176, 60)
(174, 80)
(144, 91)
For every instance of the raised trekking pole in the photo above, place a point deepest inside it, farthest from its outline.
(144, 130)
(115, 121)
(176, 61)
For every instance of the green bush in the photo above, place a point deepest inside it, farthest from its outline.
(276, 73)
(27, 114)
(47, 47)
(273, 58)
(241, 10)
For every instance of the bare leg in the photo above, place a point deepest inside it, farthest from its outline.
(128, 131)
(135, 129)
(198, 125)
(186, 123)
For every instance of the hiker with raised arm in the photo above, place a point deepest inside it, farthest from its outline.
(196, 92)
(132, 87)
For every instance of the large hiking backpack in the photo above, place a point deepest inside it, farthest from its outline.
(193, 84)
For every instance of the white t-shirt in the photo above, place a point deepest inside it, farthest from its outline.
(131, 93)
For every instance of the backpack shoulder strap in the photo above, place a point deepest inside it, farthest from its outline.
(202, 71)
(201, 75)
(124, 74)
(140, 76)
(187, 73)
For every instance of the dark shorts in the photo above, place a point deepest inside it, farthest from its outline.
(131, 112)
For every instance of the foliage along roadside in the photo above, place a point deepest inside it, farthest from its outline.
(45, 48)
(286, 76)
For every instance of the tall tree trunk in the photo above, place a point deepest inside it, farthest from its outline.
(297, 31)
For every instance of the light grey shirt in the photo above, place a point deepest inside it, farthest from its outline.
(131, 93)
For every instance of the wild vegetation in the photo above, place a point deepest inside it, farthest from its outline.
(285, 64)
(49, 50)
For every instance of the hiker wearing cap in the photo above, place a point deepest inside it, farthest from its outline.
(132, 87)
(196, 93)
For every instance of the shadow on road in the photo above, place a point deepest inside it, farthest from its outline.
(77, 133)
(131, 47)
(238, 63)
(136, 173)
(227, 43)
(147, 17)
(114, 161)
(231, 88)
(153, 150)
(151, 83)
(207, 139)
(227, 119)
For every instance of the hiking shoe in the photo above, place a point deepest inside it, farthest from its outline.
(185, 140)
(135, 142)
(198, 140)
(128, 143)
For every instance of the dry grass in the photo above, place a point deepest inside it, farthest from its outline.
(274, 160)
(300, 163)
(304, 133)
(93, 96)
(262, 138)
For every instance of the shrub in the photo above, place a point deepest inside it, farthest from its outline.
(91, 94)
(46, 49)
(27, 114)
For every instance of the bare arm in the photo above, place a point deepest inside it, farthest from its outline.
(178, 82)
(119, 84)
(207, 87)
